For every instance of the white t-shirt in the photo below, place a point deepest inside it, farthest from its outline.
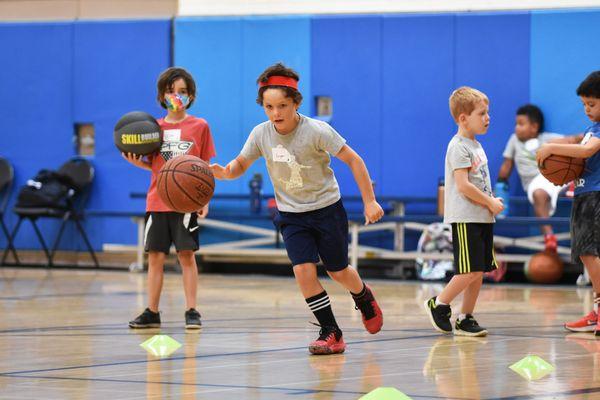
(523, 153)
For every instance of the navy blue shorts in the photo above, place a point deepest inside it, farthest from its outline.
(320, 233)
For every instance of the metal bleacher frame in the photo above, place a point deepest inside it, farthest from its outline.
(395, 221)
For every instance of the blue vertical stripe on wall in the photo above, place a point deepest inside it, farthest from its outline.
(267, 40)
(417, 76)
(492, 55)
(211, 49)
(346, 65)
(80, 72)
(226, 56)
(565, 48)
(116, 65)
(37, 131)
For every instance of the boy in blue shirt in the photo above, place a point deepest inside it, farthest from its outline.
(585, 215)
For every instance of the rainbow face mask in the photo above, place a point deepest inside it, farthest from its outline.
(176, 102)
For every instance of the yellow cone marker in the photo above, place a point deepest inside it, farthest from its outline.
(161, 345)
(385, 393)
(532, 368)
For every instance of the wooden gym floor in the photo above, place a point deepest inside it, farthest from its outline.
(64, 335)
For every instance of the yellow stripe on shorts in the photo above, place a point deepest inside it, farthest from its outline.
(467, 268)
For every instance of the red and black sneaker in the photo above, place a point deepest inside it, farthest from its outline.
(372, 316)
(330, 341)
(588, 323)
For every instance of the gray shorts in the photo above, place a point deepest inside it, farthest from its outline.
(585, 226)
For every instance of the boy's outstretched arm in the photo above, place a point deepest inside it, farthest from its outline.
(233, 170)
(571, 150)
(373, 211)
(137, 160)
(471, 192)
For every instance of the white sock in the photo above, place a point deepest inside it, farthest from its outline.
(462, 316)
(438, 302)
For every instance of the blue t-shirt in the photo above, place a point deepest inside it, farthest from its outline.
(590, 180)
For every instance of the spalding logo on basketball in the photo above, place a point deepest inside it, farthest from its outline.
(185, 183)
(138, 132)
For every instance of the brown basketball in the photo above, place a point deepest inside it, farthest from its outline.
(544, 267)
(185, 183)
(562, 169)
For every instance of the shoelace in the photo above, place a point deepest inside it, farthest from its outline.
(325, 331)
(366, 307)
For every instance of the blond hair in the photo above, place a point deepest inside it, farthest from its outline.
(464, 100)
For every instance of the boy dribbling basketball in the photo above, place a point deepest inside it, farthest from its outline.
(182, 134)
(311, 216)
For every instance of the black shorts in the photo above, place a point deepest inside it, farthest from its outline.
(320, 233)
(164, 228)
(473, 245)
(585, 226)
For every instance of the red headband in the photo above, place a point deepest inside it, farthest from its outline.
(277, 80)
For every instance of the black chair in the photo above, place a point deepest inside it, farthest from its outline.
(81, 173)
(6, 180)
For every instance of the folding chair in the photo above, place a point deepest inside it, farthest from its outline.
(81, 173)
(6, 180)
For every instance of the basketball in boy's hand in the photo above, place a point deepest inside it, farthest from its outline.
(185, 183)
(562, 169)
(138, 132)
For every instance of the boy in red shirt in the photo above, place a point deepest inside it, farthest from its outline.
(183, 134)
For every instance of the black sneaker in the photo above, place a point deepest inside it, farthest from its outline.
(469, 327)
(147, 319)
(192, 319)
(439, 315)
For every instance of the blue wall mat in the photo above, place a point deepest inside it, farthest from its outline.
(266, 41)
(492, 55)
(211, 49)
(349, 71)
(116, 65)
(81, 72)
(417, 80)
(564, 50)
(37, 130)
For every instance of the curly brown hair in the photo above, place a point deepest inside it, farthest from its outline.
(279, 70)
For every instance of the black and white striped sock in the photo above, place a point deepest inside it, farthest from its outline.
(596, 301)
(321, 307)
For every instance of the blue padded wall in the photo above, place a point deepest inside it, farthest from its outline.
(492, 55)
(211, 50)
(80, 72)
(37, 130)
(350, 72)
(417, 73)
(116, 65)
(564, 50)
(226, 56)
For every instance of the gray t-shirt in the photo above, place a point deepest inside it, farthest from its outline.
(466, 153)
(298, 163)
(523, 153)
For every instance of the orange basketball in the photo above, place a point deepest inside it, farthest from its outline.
(185, 183)
(544, 267)
(562, 169)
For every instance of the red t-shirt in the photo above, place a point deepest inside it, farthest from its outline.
(190, 136)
